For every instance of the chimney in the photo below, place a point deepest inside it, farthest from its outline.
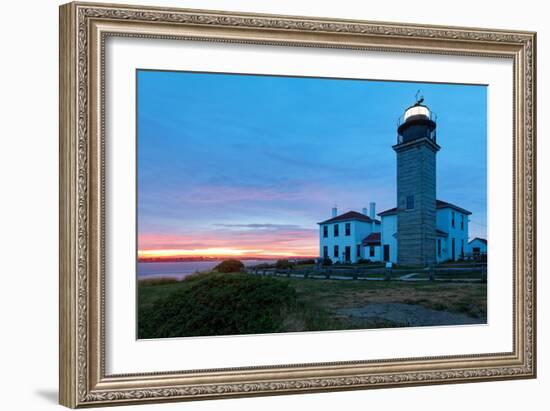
(372, 214)
(365, 211)
(334, 211)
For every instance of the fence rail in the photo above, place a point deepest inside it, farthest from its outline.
(465, 273)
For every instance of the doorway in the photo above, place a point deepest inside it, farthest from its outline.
(386, 252)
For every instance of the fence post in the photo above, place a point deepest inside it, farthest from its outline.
(483, 273)
(431, 274)
(388, 272)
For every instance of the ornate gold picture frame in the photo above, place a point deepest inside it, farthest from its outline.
(84, 29)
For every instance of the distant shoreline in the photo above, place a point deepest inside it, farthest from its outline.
(198, 259)
(182, 269)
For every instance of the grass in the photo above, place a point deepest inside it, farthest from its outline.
(333, 294)
(452, 275)
(238, 303)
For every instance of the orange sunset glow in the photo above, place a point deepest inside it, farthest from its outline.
(264, 243)
(222, 252)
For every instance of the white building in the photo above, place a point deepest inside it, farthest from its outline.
(477, 247)
(341, 237)
(353, 236)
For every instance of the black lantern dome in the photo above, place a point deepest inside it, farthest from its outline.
(417, 122)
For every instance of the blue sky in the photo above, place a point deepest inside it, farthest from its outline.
(254, 162)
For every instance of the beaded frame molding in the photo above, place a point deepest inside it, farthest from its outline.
(84, 27)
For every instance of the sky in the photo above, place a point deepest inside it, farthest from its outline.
(247, 165)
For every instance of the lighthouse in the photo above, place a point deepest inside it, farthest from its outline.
(416, 151)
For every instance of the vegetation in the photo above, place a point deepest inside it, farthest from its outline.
(237, 303)
(332, 295)
(157, 281)
(327, 262)
(283, 264)
(229, 266)
(309, 261)
(223, 304)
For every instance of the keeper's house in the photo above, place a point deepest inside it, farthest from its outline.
(343, 237)
(421, 230)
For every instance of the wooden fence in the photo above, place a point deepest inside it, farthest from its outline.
(467, 273)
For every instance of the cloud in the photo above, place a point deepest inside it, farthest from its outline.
(261, 226)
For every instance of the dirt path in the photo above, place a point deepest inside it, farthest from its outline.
(407, 315)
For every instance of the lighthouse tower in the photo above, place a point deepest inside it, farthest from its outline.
(416, 150)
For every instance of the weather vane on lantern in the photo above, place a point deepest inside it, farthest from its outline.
(419, 98)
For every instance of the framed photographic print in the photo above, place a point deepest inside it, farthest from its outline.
(259, 204)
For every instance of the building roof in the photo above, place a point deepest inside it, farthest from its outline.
(443, 204)
(389, 211)
(372, 239)
(438, 205)
(350, 215)
(484, 241)
(440, 233)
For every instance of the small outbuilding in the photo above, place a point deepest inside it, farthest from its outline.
(478, 247)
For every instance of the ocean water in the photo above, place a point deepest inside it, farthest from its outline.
(183, 269)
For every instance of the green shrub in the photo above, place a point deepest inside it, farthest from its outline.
(219, 304)
(327, 261)
(283, 264)
(229, 266)
(157, 281)
(263, 265)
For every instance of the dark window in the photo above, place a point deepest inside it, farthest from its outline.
(410, 202)
(453, 219)
(347, 254)
(462, 248)
(348, 229)
(336, 251)
(461, 222)
(439, 247)
(335, 230)
(371, 251)
(325, 231)
(358, 250)
(325, 252)
(453, 253)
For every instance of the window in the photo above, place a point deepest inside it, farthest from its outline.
(439, 247)
(453, 250)
(325, 252)
(336, 251)
(358, 250)
(325, 231)
(453, 219)
(461, 222)
(462, 248)
(371, 251)
(410, 202)
(348, 229)
(335, 230)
